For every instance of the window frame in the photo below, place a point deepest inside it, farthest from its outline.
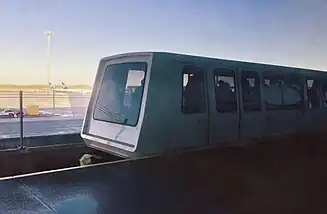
(200, 70)
(221, 71)
(141, 98)
(281, 76)
(321, 81)
(324, 85)
(259, 76)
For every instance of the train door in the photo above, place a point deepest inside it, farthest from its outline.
(194, 107)
(284, 102)
(224, 113)
(251, 121)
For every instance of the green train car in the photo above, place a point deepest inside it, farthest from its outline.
(149, 103)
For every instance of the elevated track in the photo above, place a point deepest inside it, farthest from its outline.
(288, 177)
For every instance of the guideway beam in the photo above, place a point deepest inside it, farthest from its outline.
(265, 179)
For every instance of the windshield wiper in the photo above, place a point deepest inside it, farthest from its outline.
(110, 112)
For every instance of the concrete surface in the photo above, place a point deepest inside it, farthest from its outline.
(270, 178)
(41, 141)
(10, 128)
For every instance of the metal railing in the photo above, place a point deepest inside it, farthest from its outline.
(41, 113)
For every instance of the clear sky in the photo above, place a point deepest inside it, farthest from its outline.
(287, 32)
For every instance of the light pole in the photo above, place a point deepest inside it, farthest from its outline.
(49, 34)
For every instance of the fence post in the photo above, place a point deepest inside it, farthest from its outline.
(21, 115)
(53, 101)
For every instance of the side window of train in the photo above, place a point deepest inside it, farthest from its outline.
(315, 93)
(225, 91)
(324, 93)
(250, 81)
(282, 92)
(193, 93)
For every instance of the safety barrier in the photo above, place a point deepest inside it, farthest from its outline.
(25, 114)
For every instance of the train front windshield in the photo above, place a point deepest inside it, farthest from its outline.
(120, 96)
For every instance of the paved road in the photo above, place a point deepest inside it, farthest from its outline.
(40, 126)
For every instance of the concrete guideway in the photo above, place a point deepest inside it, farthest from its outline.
(262, 179)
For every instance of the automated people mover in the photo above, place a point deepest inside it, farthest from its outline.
(149, 103)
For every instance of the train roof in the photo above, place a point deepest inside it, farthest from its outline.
(199, 57)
